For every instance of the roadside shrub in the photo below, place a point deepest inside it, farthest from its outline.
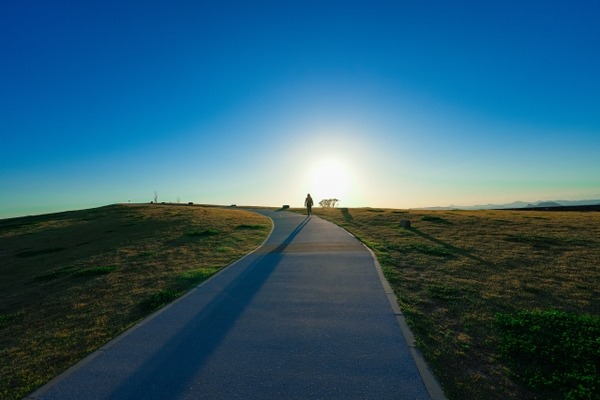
(554, 352)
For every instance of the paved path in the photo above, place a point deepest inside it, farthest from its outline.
(303, 317)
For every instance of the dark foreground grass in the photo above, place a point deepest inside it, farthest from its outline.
(554, 352)
(504, 304)
(69, 282)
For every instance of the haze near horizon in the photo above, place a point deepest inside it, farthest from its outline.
(381, 104)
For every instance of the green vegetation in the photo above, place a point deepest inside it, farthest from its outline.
(196, 276)
(70, 282)
(503, 304)
(555, 352)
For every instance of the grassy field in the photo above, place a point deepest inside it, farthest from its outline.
(69, 282)
(504, 304)
(499, 301)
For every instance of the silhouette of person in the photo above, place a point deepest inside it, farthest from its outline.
(308, 203)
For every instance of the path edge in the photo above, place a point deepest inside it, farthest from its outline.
(432, 385)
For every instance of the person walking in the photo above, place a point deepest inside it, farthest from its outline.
(308, 203)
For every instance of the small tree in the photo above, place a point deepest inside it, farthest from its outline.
(327, 203)
(155, 196)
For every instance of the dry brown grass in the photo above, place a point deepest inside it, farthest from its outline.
(454, 270)
(70, 282)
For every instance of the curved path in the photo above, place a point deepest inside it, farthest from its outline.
(305, 316)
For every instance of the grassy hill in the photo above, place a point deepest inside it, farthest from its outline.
(69, 282)
(504, 304)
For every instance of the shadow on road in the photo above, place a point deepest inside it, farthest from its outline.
(177, 362)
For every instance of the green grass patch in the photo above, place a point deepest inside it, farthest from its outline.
(553, 352)
(197, 276)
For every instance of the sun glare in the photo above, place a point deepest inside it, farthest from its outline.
(330, 178)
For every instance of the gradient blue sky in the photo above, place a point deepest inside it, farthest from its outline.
(378, 103)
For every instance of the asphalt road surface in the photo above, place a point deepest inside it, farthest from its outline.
(303, 317)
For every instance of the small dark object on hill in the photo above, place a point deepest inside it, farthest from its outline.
(405, 223)
(285, 206)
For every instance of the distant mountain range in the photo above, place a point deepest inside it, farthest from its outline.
(519, 204)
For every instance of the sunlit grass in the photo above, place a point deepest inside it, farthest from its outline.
(455, 272)
(69, 282)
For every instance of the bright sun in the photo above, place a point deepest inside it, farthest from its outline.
(330, 178)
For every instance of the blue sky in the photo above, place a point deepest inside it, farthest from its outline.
(383, 104)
